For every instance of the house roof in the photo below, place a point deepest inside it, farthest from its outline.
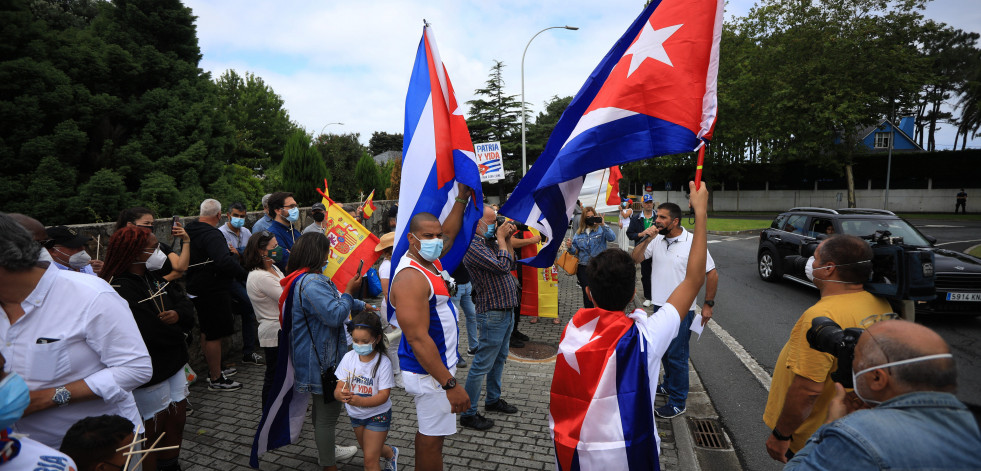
(386, 156)
(869, 130)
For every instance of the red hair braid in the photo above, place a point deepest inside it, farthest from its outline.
(124, 246)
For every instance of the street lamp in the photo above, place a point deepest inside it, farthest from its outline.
(524, 157)
(328, 124)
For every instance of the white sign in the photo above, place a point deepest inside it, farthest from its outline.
(490, 161)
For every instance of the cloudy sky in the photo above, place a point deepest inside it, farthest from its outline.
(350, 62)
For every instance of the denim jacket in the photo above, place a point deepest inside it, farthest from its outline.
(326, 309)
(586, 246)
(920, 430)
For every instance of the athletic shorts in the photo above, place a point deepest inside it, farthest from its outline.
(152, 400)
(432, 406)
(215, 314)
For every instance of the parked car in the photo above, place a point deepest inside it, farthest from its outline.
(792, 233)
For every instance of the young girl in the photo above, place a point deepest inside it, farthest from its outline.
(364, 382)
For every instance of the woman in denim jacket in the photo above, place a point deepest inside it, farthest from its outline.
(590, 239)
(319, 313)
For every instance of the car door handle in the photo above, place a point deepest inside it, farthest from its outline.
(776, 238)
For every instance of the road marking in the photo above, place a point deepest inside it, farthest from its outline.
(938, 226)
(959, 242)
(748, 361)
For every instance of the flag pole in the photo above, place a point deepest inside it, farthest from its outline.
(602, 179)
(698, 167)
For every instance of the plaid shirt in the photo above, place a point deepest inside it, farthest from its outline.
(495, 288)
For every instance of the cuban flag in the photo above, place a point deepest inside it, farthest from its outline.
(283, 415)
(601, 412)
(653, 94)
(437, 153)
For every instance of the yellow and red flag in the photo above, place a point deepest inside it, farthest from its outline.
(613, 186)
(369, 205)
(350, 243)
(539, 286)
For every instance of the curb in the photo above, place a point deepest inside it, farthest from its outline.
(732, 233)
(969, 249)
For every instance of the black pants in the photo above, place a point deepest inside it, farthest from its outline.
(645, 277)
(271, 354)
(962, 205)
(583, 283)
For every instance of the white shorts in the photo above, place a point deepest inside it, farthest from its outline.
(432, 406)
(153, 399)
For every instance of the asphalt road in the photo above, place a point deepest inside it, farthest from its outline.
(952, 235)
(759, 316)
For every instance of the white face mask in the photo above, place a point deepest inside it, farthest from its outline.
(79, 260)
(809, 270)
(44, 256)
(887, 365)
(156, 260)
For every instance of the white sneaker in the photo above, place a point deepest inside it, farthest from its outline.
(648, 303)
(344, 452)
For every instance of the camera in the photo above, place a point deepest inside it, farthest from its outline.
(594, 220)
(825, 335)
(501, 220)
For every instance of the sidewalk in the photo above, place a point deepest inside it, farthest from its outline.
(219, 433)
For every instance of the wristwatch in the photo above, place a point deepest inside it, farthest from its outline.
(782, 438)
(61, 396)
(450, 384)
(709, 303)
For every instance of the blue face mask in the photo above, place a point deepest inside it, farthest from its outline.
(238, 222)
(490, 231)
(293, 215)
(14, 399)
(363, 349)
(430, 249)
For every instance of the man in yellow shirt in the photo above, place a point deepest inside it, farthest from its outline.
(802, 388)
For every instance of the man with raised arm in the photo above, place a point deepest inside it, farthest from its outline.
(428, 354)
(601, 412)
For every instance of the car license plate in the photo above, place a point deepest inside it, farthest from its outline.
(963, 296)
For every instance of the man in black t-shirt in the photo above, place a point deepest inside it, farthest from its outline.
(961, 202)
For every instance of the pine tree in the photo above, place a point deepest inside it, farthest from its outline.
(303, 169)
(496, 116)
(366, 174)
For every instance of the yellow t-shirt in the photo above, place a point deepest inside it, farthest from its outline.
(798, 358)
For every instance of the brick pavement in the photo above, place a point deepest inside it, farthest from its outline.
(219, 433)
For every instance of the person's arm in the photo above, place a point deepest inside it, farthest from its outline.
(519, 243)
(835, 449)
(684, 295)
(409, 297)
(711, 288)
(454, 220)
(797, 406)
(371, 401)
(325, 303)
(634, 228)
(639, 254)
(608, 233)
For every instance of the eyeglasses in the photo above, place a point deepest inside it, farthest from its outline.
(292, 206)
(868, 321)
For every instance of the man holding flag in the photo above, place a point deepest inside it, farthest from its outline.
(601, 410)
(439, 177)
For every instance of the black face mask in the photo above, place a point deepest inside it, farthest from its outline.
(317, 216)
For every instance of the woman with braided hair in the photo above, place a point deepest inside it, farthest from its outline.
(176, 264)
(164, 315)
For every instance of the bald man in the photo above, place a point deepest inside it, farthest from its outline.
(906, 372)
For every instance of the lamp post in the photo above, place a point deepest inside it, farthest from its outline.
(328, 124)
(524, 156)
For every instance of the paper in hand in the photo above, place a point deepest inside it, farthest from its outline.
(696, 325)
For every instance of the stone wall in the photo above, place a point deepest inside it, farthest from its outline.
(161, 228)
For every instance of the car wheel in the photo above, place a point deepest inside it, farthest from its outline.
(767, 266)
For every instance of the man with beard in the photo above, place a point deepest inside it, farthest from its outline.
(667, 245)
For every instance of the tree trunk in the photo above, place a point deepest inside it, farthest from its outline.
(851, 185)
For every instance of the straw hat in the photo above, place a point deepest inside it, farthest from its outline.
(385, 241)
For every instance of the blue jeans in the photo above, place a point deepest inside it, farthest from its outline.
(243, 307)
(492, 352)
(675, 363)
(464, 302)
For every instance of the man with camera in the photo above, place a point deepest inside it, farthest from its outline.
(907, 373)
(802, 388)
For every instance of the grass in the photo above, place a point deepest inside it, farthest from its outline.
(716, 224)
(976, 252)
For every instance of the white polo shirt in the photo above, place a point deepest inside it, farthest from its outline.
(669, 261)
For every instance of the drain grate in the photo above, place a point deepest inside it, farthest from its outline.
(707, 433)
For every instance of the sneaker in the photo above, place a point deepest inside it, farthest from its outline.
(344, 452)
(520, 336)
(222, 383)
(472, 351)
(229, 371)
(648, 303)
(461, 363)
(254, 359)
(661, 391)
(476, 422)
(393, 464)
(500, 406)
(516, 343)
(668, 412)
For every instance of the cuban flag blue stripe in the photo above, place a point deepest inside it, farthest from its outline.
(636, 405)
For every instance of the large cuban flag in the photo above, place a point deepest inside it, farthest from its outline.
(437, 153)
(601, 412)
(653, 94)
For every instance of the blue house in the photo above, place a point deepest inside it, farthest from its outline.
(877, 138)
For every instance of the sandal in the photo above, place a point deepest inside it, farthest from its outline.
(555, 320)
(533, 320)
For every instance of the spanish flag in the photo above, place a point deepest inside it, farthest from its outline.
(539, 286)
(613, 186)
(369, 205)
(350, 243)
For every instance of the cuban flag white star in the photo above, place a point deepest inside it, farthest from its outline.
(650, 44)
(576, 338)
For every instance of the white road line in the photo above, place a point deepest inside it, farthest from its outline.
(748, 361)
(959, 242)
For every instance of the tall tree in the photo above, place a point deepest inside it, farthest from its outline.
(496, 116)
(366, 175)
(303, 168)
(537, 133)
(382, 141)
(256, 113)
(950, 52)
(341, 153)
